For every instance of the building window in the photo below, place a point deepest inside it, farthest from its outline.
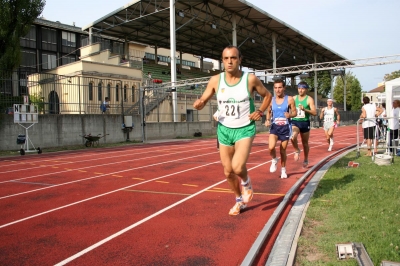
(67, 59)
(30, 39)
(125, 93)
(133, 93)
(100, 91)
(68, 39)
(49, 39)
(109, 90)
(49, 61)
(28, 58)
(117, 93)
(90, 91)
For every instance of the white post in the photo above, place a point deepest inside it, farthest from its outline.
(173, 59)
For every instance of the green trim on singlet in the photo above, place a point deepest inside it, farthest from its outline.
(306, 107)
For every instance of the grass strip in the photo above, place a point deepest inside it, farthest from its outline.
(353, 205)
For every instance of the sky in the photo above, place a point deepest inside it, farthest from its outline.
(355, 29)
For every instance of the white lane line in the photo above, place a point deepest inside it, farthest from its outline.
(105, 240)
(104, 194)
(111, 237)
(97, 176)
(95, 166)
(96, 159)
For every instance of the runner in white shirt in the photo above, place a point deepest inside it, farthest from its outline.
(369, 113)
(394, 124)
(330, 121)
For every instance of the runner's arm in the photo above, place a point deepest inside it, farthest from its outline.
(207, 94)
(312, 110)
(337, 116)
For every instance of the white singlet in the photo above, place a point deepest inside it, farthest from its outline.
(234, 102)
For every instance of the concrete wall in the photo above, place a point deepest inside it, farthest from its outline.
(64, 130)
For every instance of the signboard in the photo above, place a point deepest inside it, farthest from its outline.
(25, 113)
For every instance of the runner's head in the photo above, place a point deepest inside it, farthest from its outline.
(279, 87)
(231, 58)
(302, 87)
(329, 102)
(365, 100)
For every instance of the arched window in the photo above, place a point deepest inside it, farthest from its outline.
(109, 90)
(100, 91)
(117, 92)
(133, 93)
(125, 93)
(90, 91)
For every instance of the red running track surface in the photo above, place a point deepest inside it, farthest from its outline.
(152, 204)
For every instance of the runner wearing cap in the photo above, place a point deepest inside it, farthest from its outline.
(301, 123)
(331, 118)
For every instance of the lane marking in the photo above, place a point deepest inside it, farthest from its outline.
(33, 183)
(103, 194)
(98, 173)
(93, 177)
(179, 148)
(188, 185)
(165, 182)
(158, 192)
(117, 175)
(77, 255)
(138, 178)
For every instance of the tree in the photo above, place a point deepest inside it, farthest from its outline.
(16, 17)
(353, 92)
(323, 83)
(393, 75)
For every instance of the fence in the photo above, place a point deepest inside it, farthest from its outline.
(376, 134)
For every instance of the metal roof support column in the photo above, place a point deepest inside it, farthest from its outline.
(274, 52)
(155, 54)
(126, 49)
(234, 37)
(181, 59)
(201, 63)
(90, 35)
(315, 82)
(173, 58)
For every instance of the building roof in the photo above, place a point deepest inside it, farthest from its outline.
(204, 28)
(379, 89)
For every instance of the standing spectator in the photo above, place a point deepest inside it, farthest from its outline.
(394, 124)
(280, 111)
(301, 123)
(369, 124)
(236, 121)
(331, 118)
(104, 107)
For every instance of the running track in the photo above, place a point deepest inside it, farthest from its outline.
(153, 204)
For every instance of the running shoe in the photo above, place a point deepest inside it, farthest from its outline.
(330, 147)
(237, 208)
(283, 173)
(305, 164)
(273, 167)
(247, 191)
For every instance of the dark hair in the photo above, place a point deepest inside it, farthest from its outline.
(365, 100)
(280, 81)
(384, 105)
(235, 47)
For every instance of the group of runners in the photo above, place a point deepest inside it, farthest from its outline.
(286, 116)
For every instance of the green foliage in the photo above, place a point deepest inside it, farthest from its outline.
(323, 83)
(393, 75)
(353, 92)
(37, 100)
(16, 17)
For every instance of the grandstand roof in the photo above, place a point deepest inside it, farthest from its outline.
(147, 22)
